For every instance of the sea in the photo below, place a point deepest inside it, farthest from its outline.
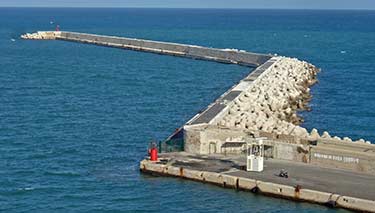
(76, 119)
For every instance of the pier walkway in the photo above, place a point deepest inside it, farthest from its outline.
(232, 56)
(308, 176)
(336, 187)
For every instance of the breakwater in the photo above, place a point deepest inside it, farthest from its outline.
(266, 104)
(267, 100)
(271, 103)
(263, 104)
(232, 56)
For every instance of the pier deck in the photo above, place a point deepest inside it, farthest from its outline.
(337, 181)
(342, 188)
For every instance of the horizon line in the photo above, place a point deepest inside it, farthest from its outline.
(213, 8)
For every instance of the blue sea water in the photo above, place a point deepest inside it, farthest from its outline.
(75, 119)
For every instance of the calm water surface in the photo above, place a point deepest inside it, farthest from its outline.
(76, 119)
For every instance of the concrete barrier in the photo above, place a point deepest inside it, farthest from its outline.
(193, 174)
(153, 167)
(276, 189)
(212, 177)
(356, 204)
(246, 183)
(314, 196)
(174, 171)
(341, 156)
(230, 181)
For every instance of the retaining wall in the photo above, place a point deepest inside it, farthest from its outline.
(212, 139)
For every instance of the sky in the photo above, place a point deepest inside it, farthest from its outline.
(274, 4)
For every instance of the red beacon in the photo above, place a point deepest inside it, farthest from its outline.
(153, 151)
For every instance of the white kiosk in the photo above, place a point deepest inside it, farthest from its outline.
(255, 154)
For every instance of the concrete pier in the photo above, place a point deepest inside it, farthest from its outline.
(331, 187)
(231, 56)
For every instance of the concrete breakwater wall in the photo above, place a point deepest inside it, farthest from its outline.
(266, 104)
(271, 103)
(211, 139)
(166, 48)
(219, 107)
(269, 100)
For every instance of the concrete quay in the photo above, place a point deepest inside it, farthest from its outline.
(332, 187)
